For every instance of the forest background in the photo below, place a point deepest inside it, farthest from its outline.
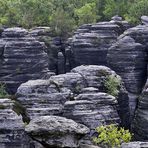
(64, 16)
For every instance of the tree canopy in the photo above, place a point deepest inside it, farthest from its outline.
(65, 15)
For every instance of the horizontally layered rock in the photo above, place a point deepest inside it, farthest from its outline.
(77, 95)
(12, 133)
(55, 48)
(97, 76)
(41, 98)
(89, 45)
(56, 132)
(92, 110)
(22, 58)
(140, 124)
(128, 59)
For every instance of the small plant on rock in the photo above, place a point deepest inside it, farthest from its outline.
(112, 85)
(3, 92)
(112, 136)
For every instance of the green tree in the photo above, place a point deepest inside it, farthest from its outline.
(137, 9)
(61, 23)
(86, 14)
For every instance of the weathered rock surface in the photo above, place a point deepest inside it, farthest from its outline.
(96, 76)
(12, 133)
(55, 48)
(135, 145)
(128, 59)
(41, 98)
(92, 110)
(89, 45)
(144, 20)
(80, 95)
(140, 123)
(53, 131)
(22, 58)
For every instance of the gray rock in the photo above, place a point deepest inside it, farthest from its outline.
(90, 43)
(141, 117)
(56, 131)
(41, 98)
(116, 18)
(22, 58)
(88, 146)
(92, 110)
(72, 81)
(135, 145)
(12, 128)
(44, 34)
(144, 20)
(129, 60)
(80, 95)
(95, 76)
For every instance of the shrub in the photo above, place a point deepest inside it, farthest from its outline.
(112, 85)
(111, 136)
(3, 92)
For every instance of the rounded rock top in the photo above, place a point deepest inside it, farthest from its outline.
(14, 32)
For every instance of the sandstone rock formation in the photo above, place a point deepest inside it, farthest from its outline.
(12, 129)
(89, 45)
(141, 117)
(55, 48)
(80, 95)
(41, 98)
(128, 59)
(54, 131)
(21, 58)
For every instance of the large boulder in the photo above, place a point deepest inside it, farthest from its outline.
(54, 131)
(22, 58)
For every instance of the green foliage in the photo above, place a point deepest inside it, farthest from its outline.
(61, 23)
(86, 14)
(3, 93)
(139, 8)
(111, 136)
(65, 15)
(112, 85)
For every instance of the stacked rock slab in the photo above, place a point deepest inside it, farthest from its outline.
(41, 98)
(79, 95)
(96, 77)
(89, 45)
(22, 58)
(128, 59)
(92, 110)
(12, 131)
(53, 47)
